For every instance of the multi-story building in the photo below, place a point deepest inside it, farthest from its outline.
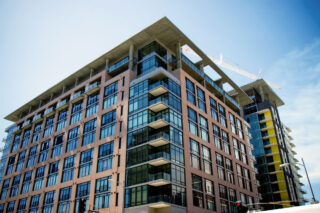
(141, 124)
(280, 187)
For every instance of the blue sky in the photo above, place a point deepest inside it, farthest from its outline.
(51, 40)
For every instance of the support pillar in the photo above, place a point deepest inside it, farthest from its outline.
(91, 72)
(107, 64)
(261, 93)
(131, 50)
(76, 82)
(178, 52)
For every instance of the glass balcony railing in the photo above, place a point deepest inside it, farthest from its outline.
(160, 135)
(191, 65)
(49, 111)
(93, 86)
(76, 96)
(157, 117)
(118, 64)
(221, 91)
(37, 117)
(209, 80)
(159, 198)
(26, 123)
(157, 84)
(159, 100)
(157, 155)
(62, 103)
(159, 139)
(160, 176)
(16, 129)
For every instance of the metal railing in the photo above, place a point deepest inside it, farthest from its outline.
(91, 86)
(118, 64)
(76, 95)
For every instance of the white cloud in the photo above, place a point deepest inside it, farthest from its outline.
(298, 73)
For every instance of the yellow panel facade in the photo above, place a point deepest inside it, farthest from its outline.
(267, 115)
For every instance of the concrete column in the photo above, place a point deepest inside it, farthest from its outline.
(131, 50)
(76, 82)
(261, 93)
(91, 72)
(63, 89)
(107, 64)
(178, 52)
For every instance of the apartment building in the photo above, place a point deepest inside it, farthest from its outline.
(140, 129)
(280, 187)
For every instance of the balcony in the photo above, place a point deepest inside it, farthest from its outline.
(62, 104)
(159, 158)
(221, 91)
(159, 139)
(76, 97)
(37, 118)
(159, 121)
(16, 129)
(26, 124)
(92, 88)
(159, 201)
(50, 111)
(268, 136)
(119, 66)
(158, 104)
(158, 88)
(159, 179)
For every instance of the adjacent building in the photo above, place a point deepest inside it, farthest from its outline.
(280, 187)
(140, 129)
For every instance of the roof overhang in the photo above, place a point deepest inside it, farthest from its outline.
(267, 91)
(163, 31)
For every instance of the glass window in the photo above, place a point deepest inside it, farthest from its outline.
(36, 132)
(83, 191)
(222, 116)
(44, 149)
(137, 120)
(196, 182)
(53, 173)
(48, 202)
(26, 137)
(73, 137)
(68, 169)
(110, 95)
(139, 89)
(57, 145)
(64, 199)
(102, 193)
(89, 132)
(76, 112)
(92, 104)
(48, 126)
(190, 92)
(105, 157)
(62, 118)
(108, 124)
(201, 100)
(85, 166)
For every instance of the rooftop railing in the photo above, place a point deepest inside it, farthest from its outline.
(91, 86)
(209, 80)
(76, 95)
(118, 64)
(26, 123)
(49, 110)
(36, 117)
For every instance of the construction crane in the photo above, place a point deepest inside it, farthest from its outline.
(230, 67)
